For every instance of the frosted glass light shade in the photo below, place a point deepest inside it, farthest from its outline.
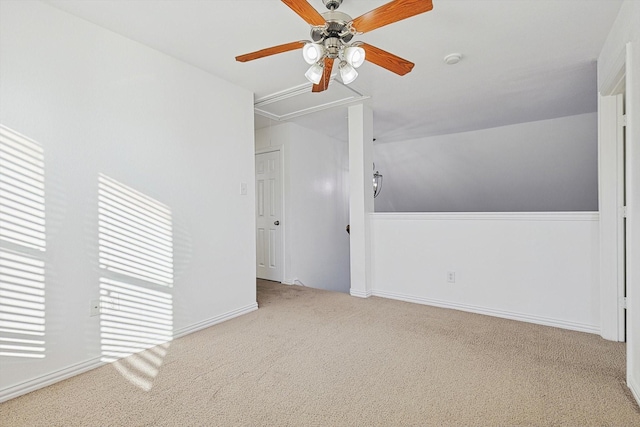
(354, 55)
(347, 73)
(314, 73)
(312, 52)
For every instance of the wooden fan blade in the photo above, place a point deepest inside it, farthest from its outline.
(270, 51)
(391, 12)
(386, 60)
(326, 76)
(306, 12)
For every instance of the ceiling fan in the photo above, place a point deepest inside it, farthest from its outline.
(332, 33)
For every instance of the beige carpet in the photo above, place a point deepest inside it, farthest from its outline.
(316, 358)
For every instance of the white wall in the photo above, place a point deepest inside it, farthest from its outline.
(535, 267)
(548, 165)
(101, 104)
(316, 206)
(621, 51)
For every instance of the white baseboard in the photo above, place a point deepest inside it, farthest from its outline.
(50, 378)
(79, 368)
(215, 320)
(557, 323)
(635, 389)
(360, 294)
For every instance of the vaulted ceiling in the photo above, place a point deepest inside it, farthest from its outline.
(523, 60)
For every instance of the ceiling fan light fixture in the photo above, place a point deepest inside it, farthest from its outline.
(314, 73)
(312, 52)
(332, 33)
(354, 55)
(347, 72)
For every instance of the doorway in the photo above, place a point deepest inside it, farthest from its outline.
(269, 216)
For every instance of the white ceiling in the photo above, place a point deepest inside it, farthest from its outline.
(523, 60)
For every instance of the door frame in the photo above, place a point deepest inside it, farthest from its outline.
(283, 221)
(627, 70)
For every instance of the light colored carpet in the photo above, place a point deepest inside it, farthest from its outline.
(316, 358)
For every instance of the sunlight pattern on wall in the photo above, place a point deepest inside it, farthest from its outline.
(135, 245)
(135, 234)
(133, 318)
(22, 246)
(22, 322)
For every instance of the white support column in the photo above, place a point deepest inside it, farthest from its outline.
(360, 197)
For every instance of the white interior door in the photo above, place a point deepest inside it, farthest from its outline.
(623, 170)
(268, 216)
(612, 194)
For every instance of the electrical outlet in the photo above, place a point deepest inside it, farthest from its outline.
(95, 307)
(243, 188)
(451, 276)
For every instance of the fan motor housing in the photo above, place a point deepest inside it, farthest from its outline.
(338, 25)
(332, 45)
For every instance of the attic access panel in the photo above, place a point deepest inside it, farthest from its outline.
(299, 100)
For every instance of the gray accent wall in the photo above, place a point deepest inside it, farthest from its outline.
(543, 166)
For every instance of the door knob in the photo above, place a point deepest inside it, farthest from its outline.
(276, 223)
